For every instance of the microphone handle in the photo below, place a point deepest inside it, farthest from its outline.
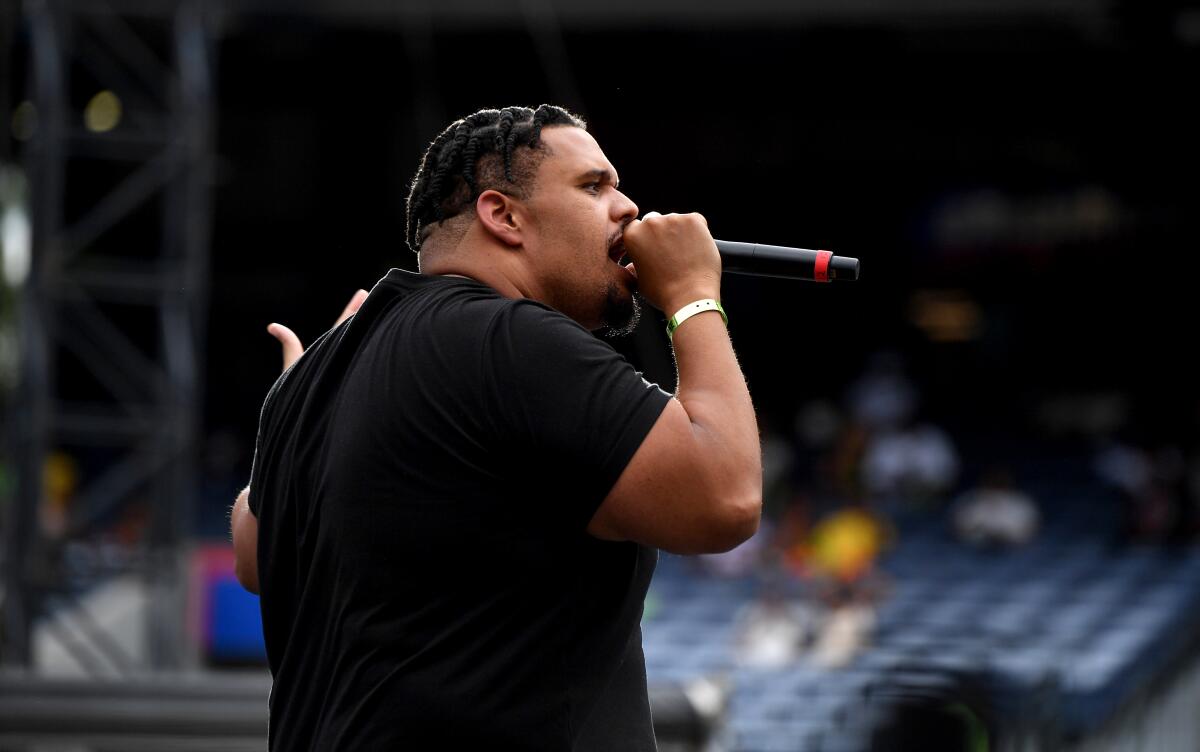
(789, 263)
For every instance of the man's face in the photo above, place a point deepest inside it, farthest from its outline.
(576, 216)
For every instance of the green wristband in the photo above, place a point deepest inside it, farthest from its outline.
(691, 309)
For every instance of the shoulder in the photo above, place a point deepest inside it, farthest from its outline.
(471, 304)
(534, 334)
(532, 319)
(422, 312)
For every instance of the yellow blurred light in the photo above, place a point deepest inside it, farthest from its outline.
(946, 315)
(102, 113)
(24, 121)
(846, 543)
(60, 475)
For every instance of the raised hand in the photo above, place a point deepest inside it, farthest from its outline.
(675, 259)
(292, 347)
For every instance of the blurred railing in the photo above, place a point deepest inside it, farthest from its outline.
(1163, 719)
(207, 711)
(158, 712)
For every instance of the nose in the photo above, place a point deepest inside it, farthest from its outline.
(624, 210)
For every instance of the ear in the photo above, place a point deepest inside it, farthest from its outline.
(500, 216)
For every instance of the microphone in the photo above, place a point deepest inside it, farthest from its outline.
(788, 263)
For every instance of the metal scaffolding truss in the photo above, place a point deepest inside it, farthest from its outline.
(113, 311)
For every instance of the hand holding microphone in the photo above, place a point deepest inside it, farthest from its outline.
(680, 271)
(778, 261)
(674, 258)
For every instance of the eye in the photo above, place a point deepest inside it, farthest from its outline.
(593, 187)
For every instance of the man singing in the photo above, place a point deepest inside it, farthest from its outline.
(458, 492)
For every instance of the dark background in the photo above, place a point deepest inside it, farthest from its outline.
(1023, 178)
(863, 139)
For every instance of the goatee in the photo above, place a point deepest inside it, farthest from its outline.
(621, 313)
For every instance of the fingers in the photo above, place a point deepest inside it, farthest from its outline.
(701, 217)
(352, 307)
(292, 349)
(650, 214)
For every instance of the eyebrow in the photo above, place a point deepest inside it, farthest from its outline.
(600, 174)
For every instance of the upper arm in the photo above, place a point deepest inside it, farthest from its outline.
(669, 497)
(573, 414)
(244, 527)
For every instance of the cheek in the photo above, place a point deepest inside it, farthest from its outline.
(584, 233)
(587, 240)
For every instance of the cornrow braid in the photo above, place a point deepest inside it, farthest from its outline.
(474, 154)
(504, 140)
(458, 138)
(468, 160)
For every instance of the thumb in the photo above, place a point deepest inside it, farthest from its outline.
(292, 348)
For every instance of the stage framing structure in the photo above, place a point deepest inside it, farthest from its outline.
(111, 315)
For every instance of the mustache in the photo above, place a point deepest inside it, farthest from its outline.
(618, 236)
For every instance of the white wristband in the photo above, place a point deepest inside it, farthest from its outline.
(691, 309)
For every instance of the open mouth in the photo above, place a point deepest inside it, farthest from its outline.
(616, 252)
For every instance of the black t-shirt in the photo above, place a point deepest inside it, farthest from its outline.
(423, 480)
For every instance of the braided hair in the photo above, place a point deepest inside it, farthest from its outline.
(475, 154)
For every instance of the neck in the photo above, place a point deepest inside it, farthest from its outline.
(501, 280)
(476, 256)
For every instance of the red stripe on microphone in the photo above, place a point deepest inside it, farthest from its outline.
(821, 266)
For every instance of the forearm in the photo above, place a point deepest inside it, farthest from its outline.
(714, 394)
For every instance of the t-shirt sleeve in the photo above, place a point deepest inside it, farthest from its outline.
(567, 408)
(273, 430)
(266, 430)
(256, 469)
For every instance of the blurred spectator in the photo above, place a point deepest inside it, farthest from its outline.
(883, 397)
(912, 467)
(902, 463)
(1153, 486)
(774, 630)
(840, 556)
(845, 632)
(996, 513)
(845, 463)
(1123, 467)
